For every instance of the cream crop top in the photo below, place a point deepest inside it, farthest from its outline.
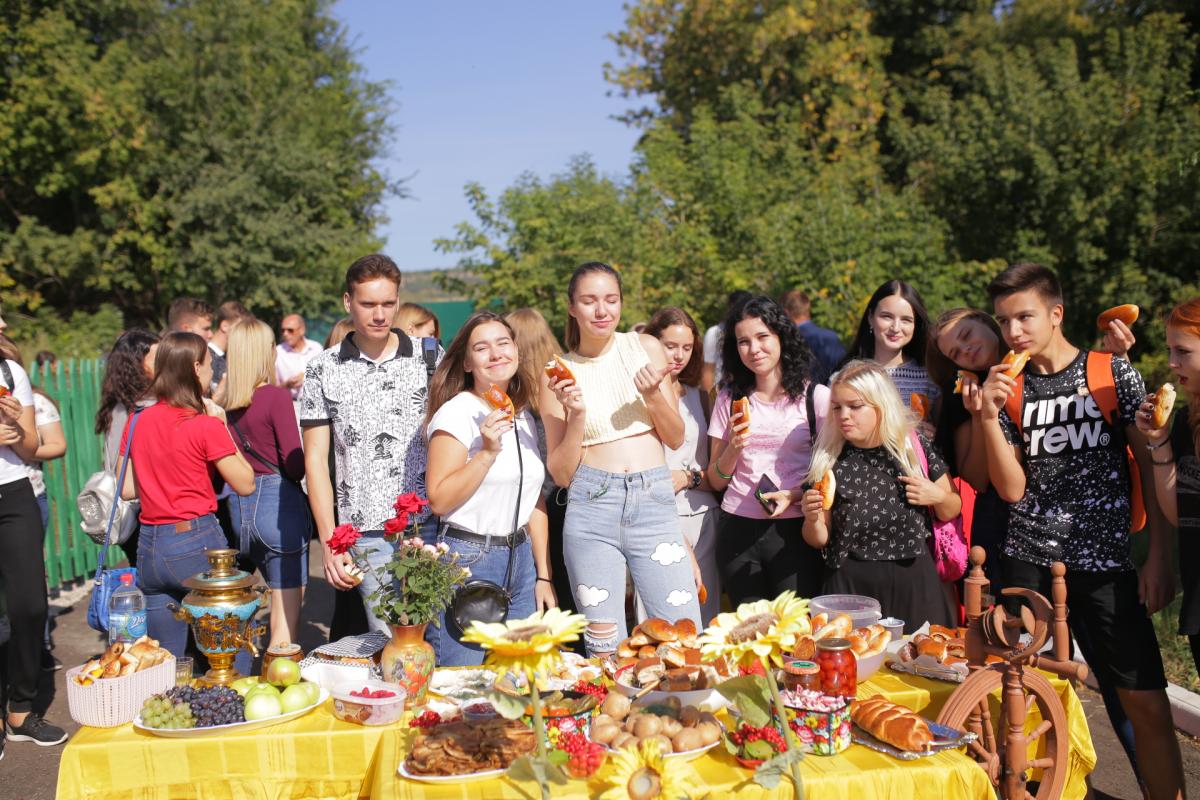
(615, 408)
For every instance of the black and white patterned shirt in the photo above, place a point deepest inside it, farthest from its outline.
(377, 414)
(1076, 506)
(872, 519)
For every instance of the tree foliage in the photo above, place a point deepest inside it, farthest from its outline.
(205, 147)
(834, 145)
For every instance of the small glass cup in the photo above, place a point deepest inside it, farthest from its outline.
(183, 670)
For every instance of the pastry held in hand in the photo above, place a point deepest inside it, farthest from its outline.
(499, 401)
(1127, 313)
(740, 406)
(827, 486)
(556, 370)
(1164, 402)
(919, 404)
(960, 377)
(892, 723)
(1015, 362)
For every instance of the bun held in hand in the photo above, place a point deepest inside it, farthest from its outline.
(1127, 313)
(1015, 362)
(1164, 402)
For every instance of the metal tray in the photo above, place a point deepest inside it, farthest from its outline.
(946, 739)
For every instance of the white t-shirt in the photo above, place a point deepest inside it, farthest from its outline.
(44, 413)
(712, 351)
(12, 468)
(490, 509)
(692, 454)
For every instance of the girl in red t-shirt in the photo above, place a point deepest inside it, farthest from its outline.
(175, 443)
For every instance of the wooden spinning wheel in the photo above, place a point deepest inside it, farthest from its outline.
(1002, 748)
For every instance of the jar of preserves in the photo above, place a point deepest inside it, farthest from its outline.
(799, 674)
(838, 668)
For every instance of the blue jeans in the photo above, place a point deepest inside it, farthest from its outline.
(490, 564)
(616, 520)
(273, 528)
(378, 552)
(165, 560)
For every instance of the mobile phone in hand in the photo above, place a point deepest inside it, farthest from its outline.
(766, 486)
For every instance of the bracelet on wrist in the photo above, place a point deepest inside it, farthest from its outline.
(717, 467)
(1153, 447)
(547, 580)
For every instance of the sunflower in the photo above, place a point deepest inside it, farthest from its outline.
(527, 645)
(643, 774)
(757, 630)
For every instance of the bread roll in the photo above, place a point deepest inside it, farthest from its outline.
(919, 404)
(892, 723)
(659, 630)
(827, 486)
(1164, 403)
(741, 405)
(1016, 362)
(1127, 313)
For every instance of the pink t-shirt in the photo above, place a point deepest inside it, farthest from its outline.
(778, 448)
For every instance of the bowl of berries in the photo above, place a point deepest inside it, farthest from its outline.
(584, 757)
(368, 702)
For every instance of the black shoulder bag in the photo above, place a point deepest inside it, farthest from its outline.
(249, 450)
(480, 600)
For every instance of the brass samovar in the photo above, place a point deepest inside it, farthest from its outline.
(220, 608)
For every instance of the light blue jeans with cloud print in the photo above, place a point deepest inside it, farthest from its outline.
(614, 520)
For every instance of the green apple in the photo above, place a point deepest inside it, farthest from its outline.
(313, 690)
(283, 672)
(261, 705)
(261, 688)
(294, 698)
(243, 685)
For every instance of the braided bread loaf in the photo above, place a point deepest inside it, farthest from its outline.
(892, 723)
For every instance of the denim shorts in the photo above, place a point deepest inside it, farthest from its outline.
(274, 527)
(617, 520)
(490, 564)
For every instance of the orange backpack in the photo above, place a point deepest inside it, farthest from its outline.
(1103, 388)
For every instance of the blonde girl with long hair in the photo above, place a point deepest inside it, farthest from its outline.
(873, 538)
(273, 522)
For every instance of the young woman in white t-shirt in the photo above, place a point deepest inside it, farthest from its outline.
(766, 360)
(484, 473)
(22, 566)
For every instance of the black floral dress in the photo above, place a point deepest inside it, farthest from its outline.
(878, 541)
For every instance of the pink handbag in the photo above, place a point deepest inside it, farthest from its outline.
(948, 542)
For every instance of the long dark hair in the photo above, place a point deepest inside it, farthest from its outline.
(864, 340)
(450, 377)
(125, 379)
(175, 380)
(795, 358)
(572, 337)
(665, 318)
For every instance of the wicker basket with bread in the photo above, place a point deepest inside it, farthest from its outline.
(109, 690)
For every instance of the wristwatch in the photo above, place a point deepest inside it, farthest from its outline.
(696, 477)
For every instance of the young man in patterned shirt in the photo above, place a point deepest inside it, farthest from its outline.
(1063, 467)
(366, 399)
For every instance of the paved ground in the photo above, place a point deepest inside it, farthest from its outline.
(29, 772)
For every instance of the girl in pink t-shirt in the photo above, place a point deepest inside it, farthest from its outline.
(758, 540)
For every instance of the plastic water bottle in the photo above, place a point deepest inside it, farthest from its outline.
(126, 612)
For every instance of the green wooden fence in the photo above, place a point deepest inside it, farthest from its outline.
(74, 386)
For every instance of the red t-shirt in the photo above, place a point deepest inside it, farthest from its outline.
(172, 450)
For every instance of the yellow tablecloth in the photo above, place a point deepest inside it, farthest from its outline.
(319, 756)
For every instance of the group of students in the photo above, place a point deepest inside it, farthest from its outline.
(629, 469)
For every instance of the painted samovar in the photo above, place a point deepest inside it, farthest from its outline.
(220, 608)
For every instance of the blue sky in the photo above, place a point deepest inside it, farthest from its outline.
(484, 91)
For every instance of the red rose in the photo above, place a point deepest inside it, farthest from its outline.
(395, 525)
(410, 503)
(343, 538)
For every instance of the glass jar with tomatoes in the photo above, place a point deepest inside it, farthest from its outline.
(839, 668)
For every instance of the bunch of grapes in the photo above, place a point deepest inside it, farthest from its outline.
(161, 711)
(217, 705)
